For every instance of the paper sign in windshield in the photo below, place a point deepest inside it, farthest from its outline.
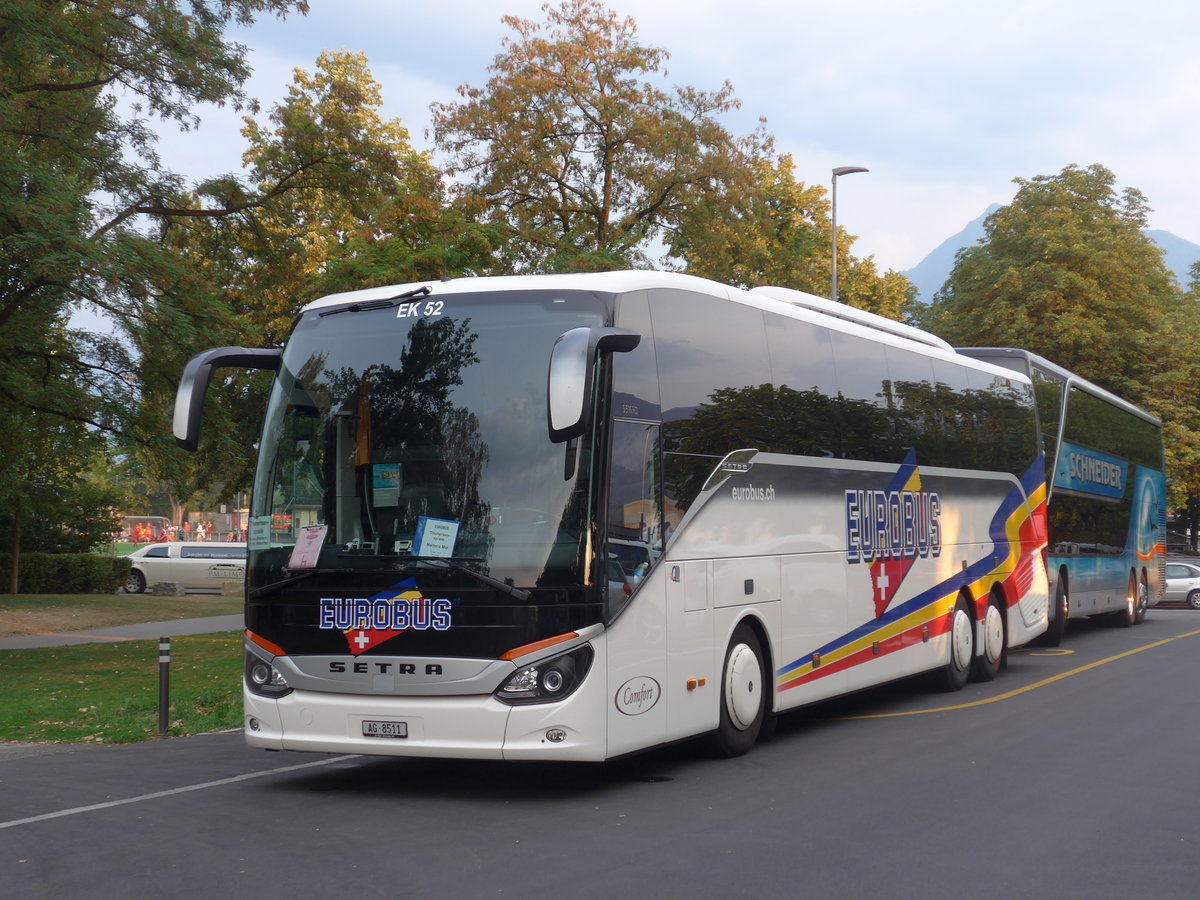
(308, 547)
(435, 537)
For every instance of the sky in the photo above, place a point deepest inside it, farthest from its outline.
(944, 101)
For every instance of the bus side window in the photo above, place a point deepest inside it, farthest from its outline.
(867, 430)
(635, 512)
(635, 374)
(805, 389)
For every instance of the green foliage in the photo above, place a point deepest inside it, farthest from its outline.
(1065, 271)
(763, 226)
(66, 573)
(351, 206)
(574, 151)
(79, 180)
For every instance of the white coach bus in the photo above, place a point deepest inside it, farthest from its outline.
(828, 500)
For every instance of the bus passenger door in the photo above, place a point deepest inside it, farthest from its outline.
(692, 686)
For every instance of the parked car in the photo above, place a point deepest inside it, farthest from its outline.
(1183, 583)
(617, 582)
(192, 564)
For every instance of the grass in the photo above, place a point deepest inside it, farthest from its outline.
(108, 693)
(54, 614)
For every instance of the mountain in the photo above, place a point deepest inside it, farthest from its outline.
(931, 273)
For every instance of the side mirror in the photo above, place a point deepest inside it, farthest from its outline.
(569, 382)
(193, 386)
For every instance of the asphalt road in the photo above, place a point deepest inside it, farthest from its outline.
(1071, 775)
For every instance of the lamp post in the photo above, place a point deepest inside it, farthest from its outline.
(840, 170)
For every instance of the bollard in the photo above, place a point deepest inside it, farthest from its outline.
(164, 683)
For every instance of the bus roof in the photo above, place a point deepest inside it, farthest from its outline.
(778, 299)
(1065, 375)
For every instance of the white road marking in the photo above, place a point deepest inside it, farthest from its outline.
(249, 776)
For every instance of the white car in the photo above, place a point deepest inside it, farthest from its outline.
(191, 564)
(1183, 583)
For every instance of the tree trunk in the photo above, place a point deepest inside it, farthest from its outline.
(15, 569)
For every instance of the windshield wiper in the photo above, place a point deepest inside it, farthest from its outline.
(305, 574)
(382, 303)
(457, 564)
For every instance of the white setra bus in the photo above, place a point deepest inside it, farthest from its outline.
(827, 499)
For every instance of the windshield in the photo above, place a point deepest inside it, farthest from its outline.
(415, 437)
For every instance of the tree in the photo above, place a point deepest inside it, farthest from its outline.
(367, 211)
(1066, 271)
(48, 500)
(79, 178)
(573, 150)
(762, 226)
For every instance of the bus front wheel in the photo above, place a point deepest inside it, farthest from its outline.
(743, 694)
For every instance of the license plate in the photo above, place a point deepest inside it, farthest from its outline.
(385, 729)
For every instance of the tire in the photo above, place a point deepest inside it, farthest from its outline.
(1143, 599)
(743, 694)
(1128, 617)
(954, 674)
(1053, 635)
(1193, 600)
(135, 583)
(988, 664)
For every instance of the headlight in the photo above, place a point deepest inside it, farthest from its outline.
(264, 679)
(549, 679)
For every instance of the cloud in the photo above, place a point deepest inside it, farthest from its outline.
(946, 102)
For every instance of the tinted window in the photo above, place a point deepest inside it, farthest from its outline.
(1047, 390)
(716, 387)
(1097, 424)
(222, 551)
(804, 404)
(953, 427)
(635, 374)
(158, 552)
(911, 400)
(867, 430)
(710, 352)
(1006, 421)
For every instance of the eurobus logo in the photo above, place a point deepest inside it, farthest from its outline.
(890, 529)
(368, 622)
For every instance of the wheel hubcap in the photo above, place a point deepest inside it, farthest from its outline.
(742, 687)
(960, 635)
(993, 634)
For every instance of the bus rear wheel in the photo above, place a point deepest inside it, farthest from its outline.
(743, 694)
(953, 676)
(1053, 635)
(1143, 598)
(1127, 617)
(988, 663)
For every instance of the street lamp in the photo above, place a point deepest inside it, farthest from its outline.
(840, 170)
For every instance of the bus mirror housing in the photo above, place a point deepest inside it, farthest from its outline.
(193, 386)
(569, 382)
